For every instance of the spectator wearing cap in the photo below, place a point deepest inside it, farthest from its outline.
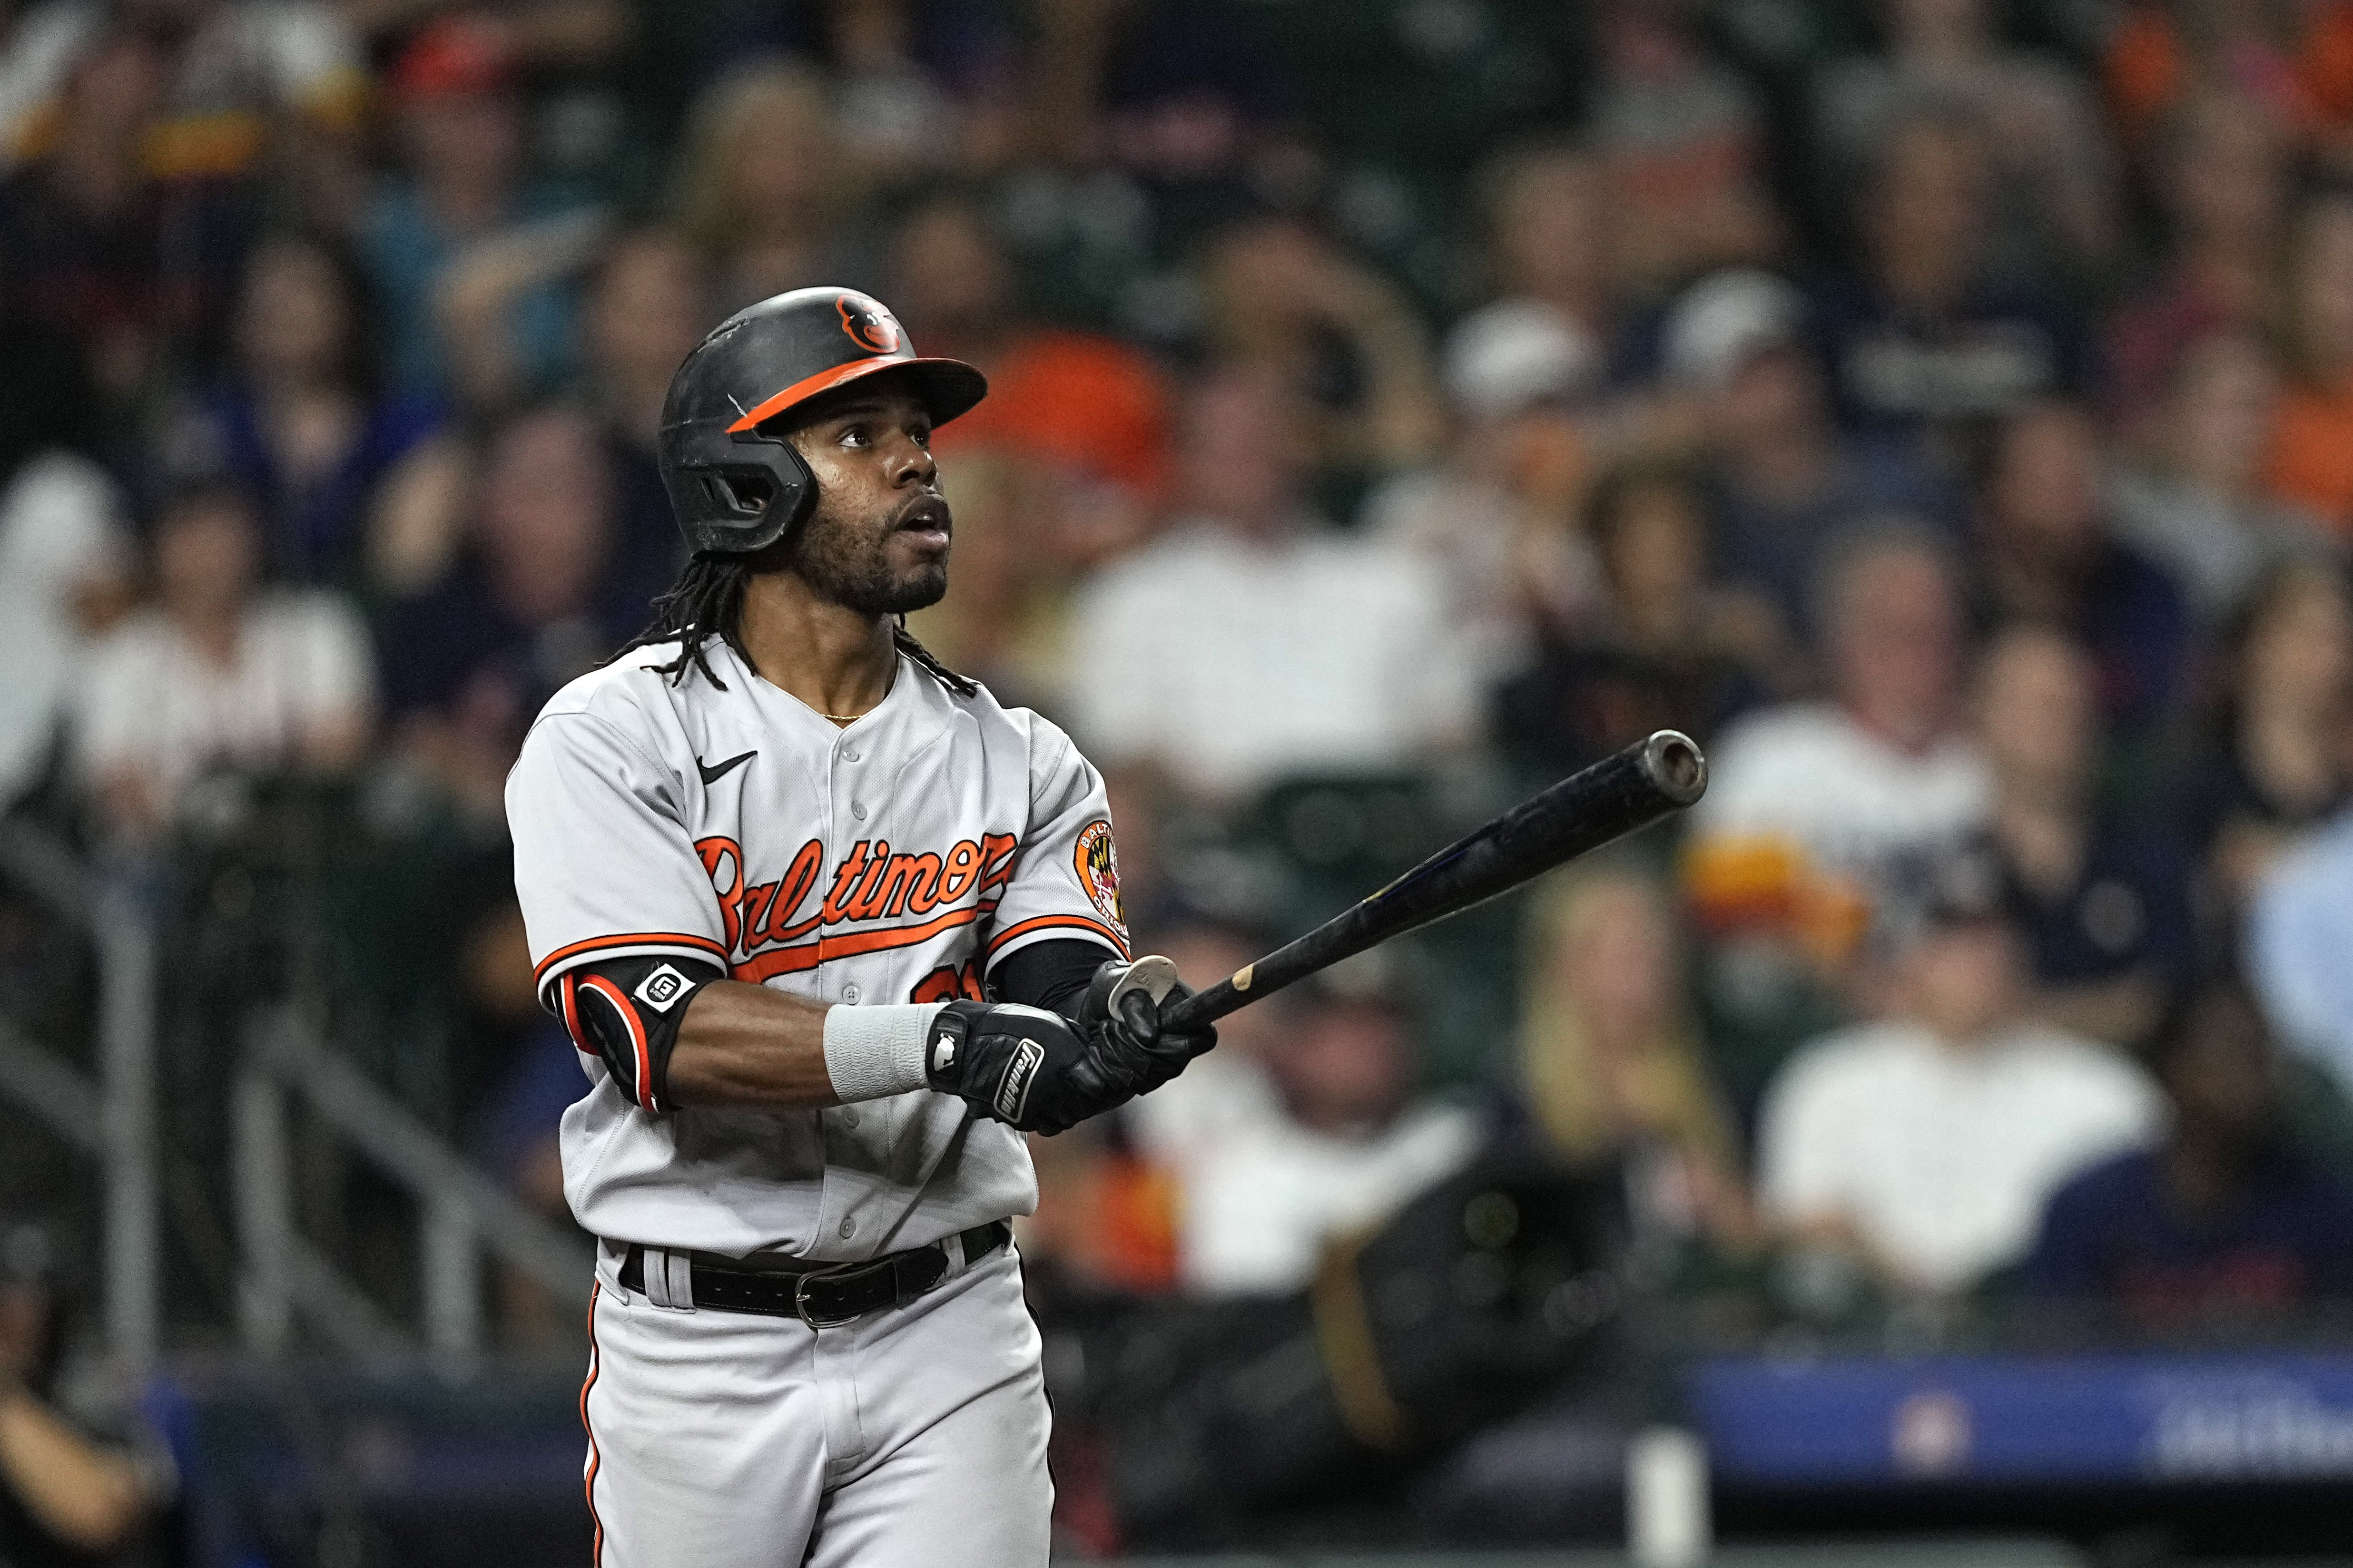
(219, 674)
(2223, 1219)
(2045, 553)
(469, 259)
(1544, 207)
(66, 1497)
(1921, 1146)
(1352, 1143)
(1783, 478)
(2100, 900)
(1815, 809)
(1498, 518)
(1252, 640)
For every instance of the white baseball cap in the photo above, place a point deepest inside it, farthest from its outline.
(1515, 352)
(1725, 320)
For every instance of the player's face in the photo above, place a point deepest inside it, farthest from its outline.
(877, 542)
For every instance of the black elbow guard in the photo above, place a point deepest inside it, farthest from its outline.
(627, 1011)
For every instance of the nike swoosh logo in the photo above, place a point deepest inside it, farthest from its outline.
(713, 774)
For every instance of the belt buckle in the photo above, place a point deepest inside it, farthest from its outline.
(808, 1314)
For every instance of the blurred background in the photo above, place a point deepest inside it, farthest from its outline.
(1942, 409)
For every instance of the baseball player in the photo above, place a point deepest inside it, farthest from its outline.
(832, 929)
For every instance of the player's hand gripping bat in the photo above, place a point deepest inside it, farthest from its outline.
(1633, 789)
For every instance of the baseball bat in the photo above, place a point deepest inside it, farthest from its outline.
(1631, 789)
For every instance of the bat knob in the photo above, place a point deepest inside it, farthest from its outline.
(1675, 766)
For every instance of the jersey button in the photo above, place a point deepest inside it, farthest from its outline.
(849, 1116)
(858, 810)
(848, 1228)
(849, 992)
(850, 756)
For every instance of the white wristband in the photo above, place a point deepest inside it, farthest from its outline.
(873, 1051)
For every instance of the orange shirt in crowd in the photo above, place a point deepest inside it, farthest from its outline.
(2309, 463)
(2150, 66)
(1086, 404)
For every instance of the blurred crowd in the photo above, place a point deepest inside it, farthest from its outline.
(1941, 409)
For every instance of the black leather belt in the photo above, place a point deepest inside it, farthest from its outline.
(823, 1295)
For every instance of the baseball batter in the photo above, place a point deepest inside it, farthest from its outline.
(832, 930)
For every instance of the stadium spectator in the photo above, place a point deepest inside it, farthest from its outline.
(64, 577)
(1921, 1145)
(761, 185)
(2276, 764)
(66, 1496)
(2052, 207)
(2223, 1219)
(1924, 341)
(249, 88)
(2044, 554)
(2195, 506)
(2309, 461)
(1817, 811)
(1782, 477)
(1543, 209)
(646, 303)
(217, 674)
(1680, 140)
(2100, 900)
(468, 664)
(2296, 63)
(1668, 649)
(1353, 1145)
(137, 270)
(347, 477)
(1498, 519)
(2220, 172)
(1611, 1069)
(469, 257)
(1282, 299)
(1250, 639)
(1089, 410)
(2298, 916)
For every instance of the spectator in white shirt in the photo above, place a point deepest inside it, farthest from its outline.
(217, 674)
(1252, 641)
(62, 569)
(1351, 1146)
(1834, 801)
(1922, 1146)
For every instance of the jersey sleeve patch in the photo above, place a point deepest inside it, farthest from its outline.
(1096, 860)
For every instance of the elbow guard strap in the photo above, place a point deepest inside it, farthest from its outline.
(627, 1011)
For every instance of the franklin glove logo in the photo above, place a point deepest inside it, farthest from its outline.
(1013, 1089)
(944, 1054)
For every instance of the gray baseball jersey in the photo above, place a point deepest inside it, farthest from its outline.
(897, 859)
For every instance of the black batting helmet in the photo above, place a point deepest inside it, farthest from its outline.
(735, 483)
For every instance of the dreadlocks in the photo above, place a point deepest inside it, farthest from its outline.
(707, 601)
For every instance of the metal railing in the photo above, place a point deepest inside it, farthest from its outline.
(463, 1212)
(114, 1118)
(282, 1275)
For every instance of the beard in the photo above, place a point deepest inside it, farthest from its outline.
(846, 560)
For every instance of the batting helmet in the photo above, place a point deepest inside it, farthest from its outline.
(735, 483)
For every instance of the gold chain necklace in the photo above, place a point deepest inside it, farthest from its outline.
(843, 718)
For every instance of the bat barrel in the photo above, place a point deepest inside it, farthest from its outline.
(1631, 789)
